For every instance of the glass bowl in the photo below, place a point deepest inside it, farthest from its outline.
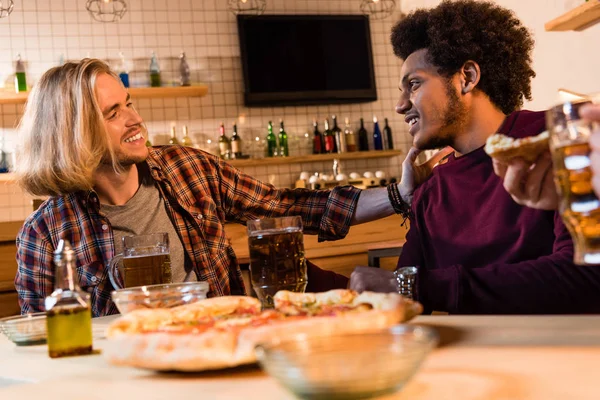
(353, 366)
(25, 330)
(159, 296)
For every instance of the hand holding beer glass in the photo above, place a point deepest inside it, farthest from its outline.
(145, 261)
(579, 206)
(276, 257)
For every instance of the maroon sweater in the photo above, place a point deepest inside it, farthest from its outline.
(480, 252)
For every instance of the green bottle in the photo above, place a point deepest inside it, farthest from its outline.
(20, 79)
(154, 71)
(271, 149)
(283, 141)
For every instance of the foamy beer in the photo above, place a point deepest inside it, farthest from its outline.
(579, 205)
(276, 257)
(145, 260)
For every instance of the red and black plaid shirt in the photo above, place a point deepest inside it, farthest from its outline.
(200, 192)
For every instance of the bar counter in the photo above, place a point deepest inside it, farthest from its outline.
(479, 357)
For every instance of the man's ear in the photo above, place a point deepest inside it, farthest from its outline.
(469, 76)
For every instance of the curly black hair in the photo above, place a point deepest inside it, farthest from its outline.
(458, 31)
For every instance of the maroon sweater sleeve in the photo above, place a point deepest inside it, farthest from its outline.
(549, 284)
(320, 280)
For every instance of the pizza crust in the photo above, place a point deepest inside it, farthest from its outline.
(232, 341)
(505, 148)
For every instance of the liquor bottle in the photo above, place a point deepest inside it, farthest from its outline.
(387, 132)
(184, 70)
(271, 150)
(328, 138)
(338, 135)
(68, 310)
(20, 79)
(318, 147)
(363, 140)
(350, 138)
(236, 143)
(154, 71)
(283, 141)
(173, 138)
(186, 140)
(123, 71)
(224, 144)
(377, 137)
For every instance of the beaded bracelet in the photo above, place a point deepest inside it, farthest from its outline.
(398, 204)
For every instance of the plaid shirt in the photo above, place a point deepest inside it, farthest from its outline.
(200, 192)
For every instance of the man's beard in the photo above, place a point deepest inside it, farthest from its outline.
(454, 118)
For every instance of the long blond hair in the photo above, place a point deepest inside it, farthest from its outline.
(62, 135)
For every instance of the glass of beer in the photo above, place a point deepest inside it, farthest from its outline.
(579, 206)
(145, 261)
(276, 257)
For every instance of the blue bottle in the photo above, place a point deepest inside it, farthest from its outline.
(377, 137)
(123, 71)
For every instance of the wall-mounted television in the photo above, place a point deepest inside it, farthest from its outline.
(306, 59)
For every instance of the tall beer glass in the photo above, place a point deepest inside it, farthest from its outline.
(579, 205)
(276, 257)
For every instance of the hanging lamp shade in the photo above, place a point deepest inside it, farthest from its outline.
(378, 9)
(247, 7)
(6, 7)
(106, 10)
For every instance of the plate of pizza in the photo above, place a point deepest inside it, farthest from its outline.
(222, 332)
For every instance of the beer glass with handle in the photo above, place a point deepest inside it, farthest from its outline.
(145, 261)
(579, 206)
(276, 257)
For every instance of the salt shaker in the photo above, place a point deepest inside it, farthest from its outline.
(406, 277)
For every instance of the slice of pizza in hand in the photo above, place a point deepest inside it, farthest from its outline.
(505, 148)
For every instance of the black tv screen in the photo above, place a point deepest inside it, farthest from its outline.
(306, 59)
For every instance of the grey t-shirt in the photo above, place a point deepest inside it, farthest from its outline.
(145, 213)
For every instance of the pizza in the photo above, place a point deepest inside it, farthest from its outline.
(505, 148)
(222, 332)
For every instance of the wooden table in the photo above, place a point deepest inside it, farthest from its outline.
(487, 358)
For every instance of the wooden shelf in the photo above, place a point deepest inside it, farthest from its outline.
(358, 155)
(7, 97)
(577, 19)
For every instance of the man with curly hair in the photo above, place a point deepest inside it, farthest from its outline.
(467, 69)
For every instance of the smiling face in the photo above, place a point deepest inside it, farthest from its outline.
(122, 122)
(430, 103)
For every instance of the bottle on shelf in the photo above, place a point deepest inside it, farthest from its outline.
(184, 70)
(271, 150)
(123, 70)
(387, 133)
(155, 80)
(236, 143)
(328, 138)
(4, 167)
(224, 144)
(173, 138)
(349, 135)
(377, 137)
(68, 309)
(186, 140)
(318, 147)
(363, 139)
(283, 141)
(338, 135)
(20, 78)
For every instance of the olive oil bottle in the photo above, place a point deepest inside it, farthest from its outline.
(68, 311)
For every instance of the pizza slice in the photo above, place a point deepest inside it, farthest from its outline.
(223, 332)
(505, 148)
